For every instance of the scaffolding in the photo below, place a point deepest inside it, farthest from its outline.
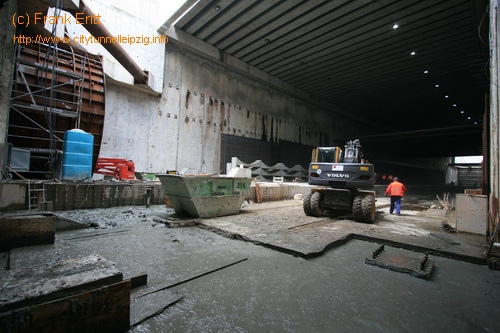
(54, 89)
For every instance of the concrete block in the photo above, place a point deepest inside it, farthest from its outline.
(12, 196)
(240, 172)
(471, 213)
(26, 230)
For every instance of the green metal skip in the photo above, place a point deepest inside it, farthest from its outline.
(205, 196)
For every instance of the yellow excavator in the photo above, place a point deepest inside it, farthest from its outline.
(345, 182)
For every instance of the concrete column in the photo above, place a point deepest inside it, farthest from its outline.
(494, 160)
(7, 31)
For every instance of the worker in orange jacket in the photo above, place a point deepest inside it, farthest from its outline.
(396, 190)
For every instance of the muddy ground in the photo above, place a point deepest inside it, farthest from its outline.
(273, 269)
(283, 226)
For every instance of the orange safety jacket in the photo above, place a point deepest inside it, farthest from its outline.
(395, 189)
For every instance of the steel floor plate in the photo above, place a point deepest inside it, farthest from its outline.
(404, 261)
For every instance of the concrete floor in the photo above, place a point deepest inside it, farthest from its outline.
(273, 269)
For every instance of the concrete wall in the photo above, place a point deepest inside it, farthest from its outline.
(7, 31)
(136, 129)
(13, 196)
(198, 96)
(203, 98)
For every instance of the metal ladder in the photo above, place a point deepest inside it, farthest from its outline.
(35, 191)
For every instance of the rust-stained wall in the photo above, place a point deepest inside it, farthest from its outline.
(201, 100)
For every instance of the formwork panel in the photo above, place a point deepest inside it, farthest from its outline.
(75, 295)
(83, 195)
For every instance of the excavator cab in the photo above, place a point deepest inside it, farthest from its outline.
(352, 154)
(326, 155)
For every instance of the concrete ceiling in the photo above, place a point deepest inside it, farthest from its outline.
(348, 53)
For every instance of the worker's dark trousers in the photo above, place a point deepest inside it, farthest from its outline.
(395, 201)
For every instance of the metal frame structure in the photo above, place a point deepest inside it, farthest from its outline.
(54, 89)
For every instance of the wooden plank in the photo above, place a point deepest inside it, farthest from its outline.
(138, 280)
(29, 286)
(104, 309)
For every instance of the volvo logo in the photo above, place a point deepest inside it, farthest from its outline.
(337, 175)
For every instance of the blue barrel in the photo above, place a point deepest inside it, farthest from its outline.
(78, 147)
